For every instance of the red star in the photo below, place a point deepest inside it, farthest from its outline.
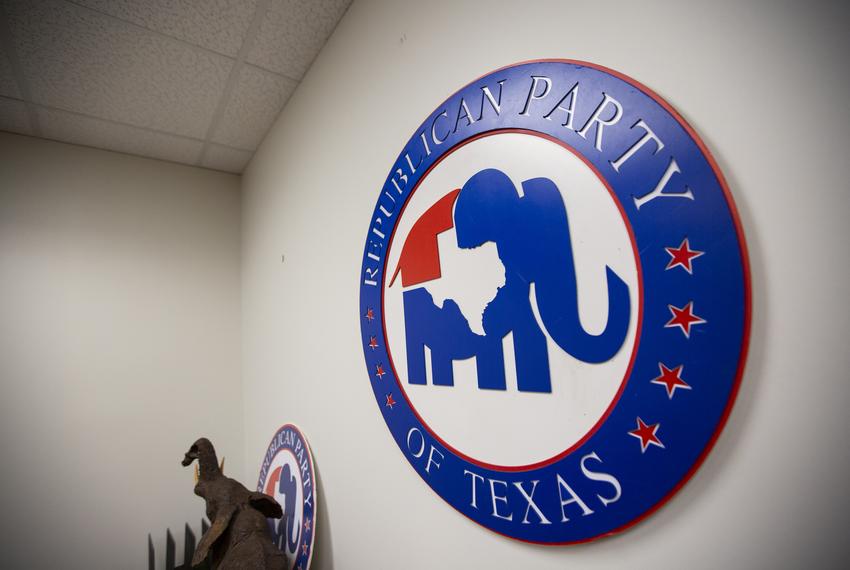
(646, 434)
(671, 378)
(682, 256)
(373, 343)
(304, 549)
(307, 525)
(684, 318)
(390, 401)
(370, 314)
(379, 371)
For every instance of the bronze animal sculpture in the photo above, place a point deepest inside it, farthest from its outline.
(238, 537)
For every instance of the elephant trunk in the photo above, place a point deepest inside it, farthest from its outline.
(557, 303)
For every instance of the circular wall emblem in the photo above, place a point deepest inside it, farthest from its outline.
(287, 474)
(554, 301)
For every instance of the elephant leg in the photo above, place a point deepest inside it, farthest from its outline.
(441, 367)
(490, 362)
(445, 331)
(532, 357)
(415, 362)
(415, 313)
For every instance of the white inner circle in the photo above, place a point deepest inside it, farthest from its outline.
(509, 427)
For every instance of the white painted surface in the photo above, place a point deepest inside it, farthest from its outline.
(764, 84)
(119, 346)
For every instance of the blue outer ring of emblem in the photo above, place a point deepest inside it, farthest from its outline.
(289, 438)
(718, 290)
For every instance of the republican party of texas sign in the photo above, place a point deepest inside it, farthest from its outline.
(554, 301)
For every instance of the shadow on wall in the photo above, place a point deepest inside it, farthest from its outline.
(189, 543)
(323, 557)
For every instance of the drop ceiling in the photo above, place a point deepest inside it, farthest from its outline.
(191, 81)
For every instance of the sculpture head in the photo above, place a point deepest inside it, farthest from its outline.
(208, 466)
(203, 446)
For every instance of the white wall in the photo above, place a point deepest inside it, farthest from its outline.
(764, 84)
(119, 346)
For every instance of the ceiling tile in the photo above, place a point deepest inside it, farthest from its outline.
(226, 158)
(14, 117)
(78, 129)
(8, 84)
(256, 99)
(219, 25)
(292, 33)
(80, 60)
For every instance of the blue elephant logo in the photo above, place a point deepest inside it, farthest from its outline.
(532, 236)
(287, 531)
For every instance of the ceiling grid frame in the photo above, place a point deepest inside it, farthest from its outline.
(221, 147)
(247, 42)
(183, 40)
(20, 81)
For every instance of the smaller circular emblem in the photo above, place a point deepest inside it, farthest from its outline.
(287, 474)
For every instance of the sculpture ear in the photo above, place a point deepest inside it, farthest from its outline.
(266, 505)
(219, 525)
